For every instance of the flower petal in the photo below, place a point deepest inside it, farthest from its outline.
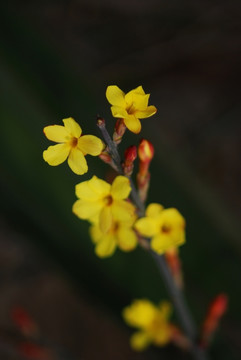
(137, 102)
(90, 144)
(139, 90)
(106, 219)
(72, 127)
(122, 210)
(106, 246)
(133, 123)
(140, 340)
(120, 188)
(163, 335)
(154, 210)
(161, 243)
(99, 186)
(56, 154)
(140, 313)
(149, 111)
(115, 96)
(173, 218)
(147, 227)
(56, 133)
(77, 162)
(86, 209)
(95, 233)
(85, 192)
(119, 112)
(127, 239)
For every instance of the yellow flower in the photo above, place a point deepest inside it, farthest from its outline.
(103, 203)
(166, 227)
(130, 107)
(71, 145)
(152, 322)
(120, 234)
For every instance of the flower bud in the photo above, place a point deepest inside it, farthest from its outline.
(145, 151)
(100, 121)
(215, 311)
(218, 306)
(24, 321)
(119, 131)
(130, 154)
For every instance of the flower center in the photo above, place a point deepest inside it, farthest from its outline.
(108, 200)
(165, 229)
(73, 142)
(130, 109)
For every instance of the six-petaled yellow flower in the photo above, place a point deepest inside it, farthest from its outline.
(71, 145)
(152, 322)
(120, 234)
(165, 227)
(130, 107)
(103, 203)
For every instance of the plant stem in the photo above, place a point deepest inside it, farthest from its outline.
(175, 293)
(181, 307)
(112, 148)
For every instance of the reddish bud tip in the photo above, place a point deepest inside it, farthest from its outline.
(219, 305)
(215, 311)
(145, 150)
(33, 351)
(100, 121)
(130, 153)
(23, 320)
(120, 127)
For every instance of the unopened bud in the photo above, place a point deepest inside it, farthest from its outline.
(120, 129)
(130, 153)
(215, 311)
(23, 321)
(145, 151)
(219, 306)
(100, 121)
(34, 351)
(130, 156)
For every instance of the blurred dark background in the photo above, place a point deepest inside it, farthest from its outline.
(57, 58)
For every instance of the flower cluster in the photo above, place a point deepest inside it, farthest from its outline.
(109, 212)
(113, 217)
(152, 322)
(117, 214)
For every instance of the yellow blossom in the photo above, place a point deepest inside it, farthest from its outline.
(70, 145)
(103, 203)
(130, 107)
(120, 234)
(152, 322)
(165, 227)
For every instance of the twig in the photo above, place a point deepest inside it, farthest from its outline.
(175, 293)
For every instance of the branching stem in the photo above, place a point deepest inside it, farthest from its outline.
(175, 293)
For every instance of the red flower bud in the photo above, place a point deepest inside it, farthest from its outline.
(130, 156)
(130, 153)
(218, 306)
(215, 311)
(23, 321)
(145, 151)
(100, 121)
(33, 351)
